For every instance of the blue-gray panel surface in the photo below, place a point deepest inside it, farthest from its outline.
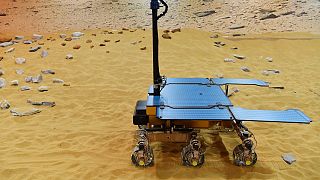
(187, 81)
(193, 95)
(224, 81)
(193, 114)
(289, 116)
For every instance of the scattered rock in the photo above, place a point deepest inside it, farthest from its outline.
(89, 41)
(219, 75)
(34, 49)
(3, 13)
(66, 84)
(27, 42)
(6, 44)
(288, 158)
(2, 83)
(214, 36)
(143, 48)
(75, 38)
(107, 51)
(1, 72)
(44, 54)
(19, 71)
(238, 56)
(43, 88)
(166, 36)
(102, 44)
(28, 79)
(19, 37)
(1, 58)
(69, 56)
(20, 60)
(269, 59)
(117, 41)
(176, 30)
(77, 46)
(42, 103)
(287, 13)
(33, 111)
(62, 36)
(204, 13)
(229, 60)
(25, 88)
(37, 36)
(63, 44)
(4, 104)
(236, 26)
(233, 91)
(106, 40)
(269, 16)
(14, 83)
(68, 39)
(120, 32)
(77, 34)
(94, 34)
(41, 43)
(237, 35)
(37, 79)
(234, 48)
(55, 80)
(245, 69)
(92, 46)
(125, 29)
(166, 31)
(48, 71)
(10, 50)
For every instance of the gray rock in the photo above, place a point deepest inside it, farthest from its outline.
(204, 13)
(14, 83)
(69, 56)
(269, 16)
(19, 37)
(229, 60)
(6, 44)
(75, 38)
(42, 103)
(37, 36)
(4, 104)
(288, 158)
(37, 79)
(27, 42)
(15, 112)
(34, 49)
(239, 56)
(236, 26)
(245, 69)
(20, 60)
(28, 79)
(19, 71)
(2, 83)
(63, 36)
(214, 36)
(25, 88)
(266, 73)
(10, 50)
(43, 88)
(48, 71)
(77, 34)
(55, 80)
(44, 54)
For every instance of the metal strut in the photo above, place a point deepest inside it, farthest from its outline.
(157, 80)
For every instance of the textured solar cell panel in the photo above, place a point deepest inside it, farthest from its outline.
(288, 116)
(224, 81)
(193, 114)
(188, 81)
(193, 95)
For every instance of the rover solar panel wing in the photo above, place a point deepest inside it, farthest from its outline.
(286, 116)
(228, 81)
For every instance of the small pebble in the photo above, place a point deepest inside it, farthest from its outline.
(48, 71)
(166, 36)
(89, 41)
(28, 79)
(19, 71)
(27, 42)
(1, 72)
(55, 80)
(19, 37)
(37, 36)
(20, 60)
(245, 69)
(37, 79)
(69, 56)
(6, 44)
(176, 30)
(77, 46)
(44, 54)
(2, 83)
(34, 49)
(269, 59)
(10, 50)
(102, 44)
(239, 56)
(77, 34)
(1, 58)
(63, 44)
(117, 41)
(43, 88)
(68, 39)
(14, 83)
(143, 48)
(25, 88)
(229, 60)
(4, 104)
(63, 36)
(106, 40)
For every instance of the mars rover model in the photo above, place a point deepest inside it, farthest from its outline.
(177, 108)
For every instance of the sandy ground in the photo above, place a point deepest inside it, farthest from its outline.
(89, 133)
(40, 16)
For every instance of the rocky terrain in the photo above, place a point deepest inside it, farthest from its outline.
(225, 16)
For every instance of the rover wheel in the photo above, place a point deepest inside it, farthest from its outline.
(243, 156)
(192, 157)
(142, 156)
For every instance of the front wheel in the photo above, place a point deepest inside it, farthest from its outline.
(243, 156)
